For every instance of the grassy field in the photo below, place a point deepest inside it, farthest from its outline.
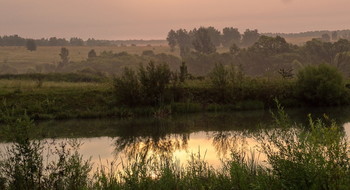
(23, 60)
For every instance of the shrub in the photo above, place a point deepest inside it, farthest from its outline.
(311, 157)
(321, 85)
(219, 76)
(127, 88)
(154, 80)
(23, 165)
(146, 87)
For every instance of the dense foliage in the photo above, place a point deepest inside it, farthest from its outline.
(321, 85)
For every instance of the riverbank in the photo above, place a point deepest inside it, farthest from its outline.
(68, 100)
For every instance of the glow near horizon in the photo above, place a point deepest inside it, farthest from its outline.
(152, 19)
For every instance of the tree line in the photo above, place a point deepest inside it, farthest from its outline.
(16, 40)
(206, 39)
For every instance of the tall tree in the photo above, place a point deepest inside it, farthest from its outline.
(76, 41)
(172, 39)
(215, 35)
(326, 38)
(334, 35)
(230, 36)
(250, 37)
(31, 45)
(64, 55)
(268, 46)
(184, 41)
(202, 41)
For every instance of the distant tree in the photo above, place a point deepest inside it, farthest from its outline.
(53, 41)
(334, 36)
(230, 36)
(76, 41)
(13, 40)
(268, 46)
(64, 55)
(172, 40)
(326, 38)
(183, 72)
(250, 37)
(184, 42)
(92, 54)
(31, 45)
(215, 36)
(234, 49)
(317, 51)
(202, 42)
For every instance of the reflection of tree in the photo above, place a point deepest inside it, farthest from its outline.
(225, 141)
(163, 146)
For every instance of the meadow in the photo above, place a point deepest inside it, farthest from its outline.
(25, 61)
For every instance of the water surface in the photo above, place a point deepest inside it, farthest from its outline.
(210, 134)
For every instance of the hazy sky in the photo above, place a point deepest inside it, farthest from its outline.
(152, 19)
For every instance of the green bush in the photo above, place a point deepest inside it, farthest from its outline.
(24, 166)
(127, 88)
(315, 156)
(321, 85)
(146, 87)
(154, 80)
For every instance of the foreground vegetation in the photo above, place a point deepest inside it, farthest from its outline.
(316, 156)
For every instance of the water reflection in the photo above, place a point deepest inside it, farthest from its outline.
(160, 145)
(177, 137)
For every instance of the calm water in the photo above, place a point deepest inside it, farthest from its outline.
(213, 135)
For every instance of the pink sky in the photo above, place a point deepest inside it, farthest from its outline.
(152, 19)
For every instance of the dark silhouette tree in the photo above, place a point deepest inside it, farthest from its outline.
(250, 37)
(92, 54)
(64, 55)
(335, 36)
(326, 38)
(268, 46)
(202, 42)
(230, 36)
(76, 41)
(184, 42)
(215, 36)
(172, 40)
(31, 45)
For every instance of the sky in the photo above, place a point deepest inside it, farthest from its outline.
(152, 19)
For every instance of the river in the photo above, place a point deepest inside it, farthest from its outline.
(210, 134)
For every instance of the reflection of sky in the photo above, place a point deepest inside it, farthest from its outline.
(101, 150)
